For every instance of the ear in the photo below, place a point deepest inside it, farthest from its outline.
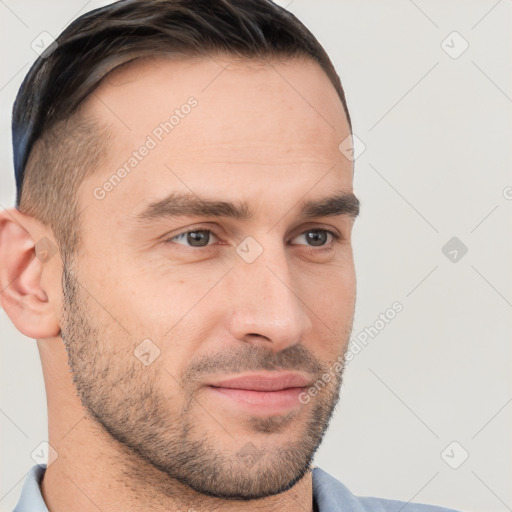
(26, 253)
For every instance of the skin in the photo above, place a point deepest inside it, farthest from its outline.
(131, 436)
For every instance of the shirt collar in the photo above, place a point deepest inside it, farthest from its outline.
(31, 499)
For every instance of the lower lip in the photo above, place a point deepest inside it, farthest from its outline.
(262, 401)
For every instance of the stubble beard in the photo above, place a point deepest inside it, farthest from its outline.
(123, 398)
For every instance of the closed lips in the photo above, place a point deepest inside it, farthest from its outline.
(263, 382)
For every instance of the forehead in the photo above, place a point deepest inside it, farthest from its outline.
(251, 121)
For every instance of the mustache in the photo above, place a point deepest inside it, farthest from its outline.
(253, 358)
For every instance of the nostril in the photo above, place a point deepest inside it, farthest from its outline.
(258, 335)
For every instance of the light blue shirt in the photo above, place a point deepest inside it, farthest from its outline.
(329, 495)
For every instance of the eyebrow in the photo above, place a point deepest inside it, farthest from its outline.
(189, 204)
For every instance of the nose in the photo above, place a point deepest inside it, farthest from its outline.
(266, 304)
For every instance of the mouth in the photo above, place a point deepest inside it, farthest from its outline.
(263, 393)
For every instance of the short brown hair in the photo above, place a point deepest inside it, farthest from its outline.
(56, 146)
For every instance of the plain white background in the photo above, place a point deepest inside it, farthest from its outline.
(426, 405)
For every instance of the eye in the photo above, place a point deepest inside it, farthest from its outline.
(318, 237)
(193, 238)
(200, 237)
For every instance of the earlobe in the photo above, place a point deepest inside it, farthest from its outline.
(24, 257)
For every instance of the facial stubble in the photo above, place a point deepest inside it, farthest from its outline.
(123, 398)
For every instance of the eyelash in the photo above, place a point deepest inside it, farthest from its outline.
(323, 248)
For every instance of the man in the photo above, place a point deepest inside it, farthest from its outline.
(181, 252)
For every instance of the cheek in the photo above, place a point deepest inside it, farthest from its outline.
(163, 289)
(329, 290)
(329, 300)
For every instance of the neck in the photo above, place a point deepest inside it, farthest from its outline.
(94, 472)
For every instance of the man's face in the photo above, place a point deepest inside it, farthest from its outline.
(162, 306)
